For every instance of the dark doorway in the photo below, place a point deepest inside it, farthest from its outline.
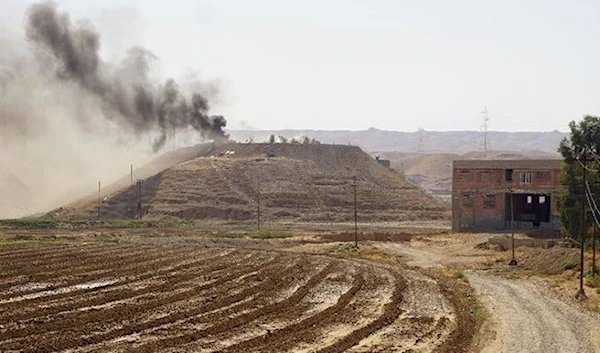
(534, 208)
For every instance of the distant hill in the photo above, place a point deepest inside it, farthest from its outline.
(375, 140)
(306, 183)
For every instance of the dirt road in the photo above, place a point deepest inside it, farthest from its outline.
(524, 316)
(527, 318)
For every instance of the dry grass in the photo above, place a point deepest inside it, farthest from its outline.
(349, 251)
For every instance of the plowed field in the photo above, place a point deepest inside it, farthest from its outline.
(148, 296)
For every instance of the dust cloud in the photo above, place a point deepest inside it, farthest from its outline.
(69, 119)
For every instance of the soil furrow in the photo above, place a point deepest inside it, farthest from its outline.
(129, 264)
(74, 254)
(120, 291)
(103, 263)
(240, 320)
(26, 252)
(391, 312)
(280, 340)
(77, 323)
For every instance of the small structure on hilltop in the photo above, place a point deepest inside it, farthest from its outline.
(493, 195)
(383, 162)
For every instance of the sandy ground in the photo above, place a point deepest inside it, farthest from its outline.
(524, 316)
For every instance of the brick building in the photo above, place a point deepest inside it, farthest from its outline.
(482, 189)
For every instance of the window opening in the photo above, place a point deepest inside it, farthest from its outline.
(489, 201)
(525, 178)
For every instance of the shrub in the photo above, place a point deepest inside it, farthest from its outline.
(459, 275)
(593, 282)
(269, 235)
(480, 314)
(569, 264)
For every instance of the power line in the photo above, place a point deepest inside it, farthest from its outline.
(592, 203)
(586, 167)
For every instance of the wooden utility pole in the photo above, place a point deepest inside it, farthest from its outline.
(355, 215)
(594, 251)
(99, 198)
(140, 199)
(581, 293)
(593, 197)
(258, 203)
(513, 261)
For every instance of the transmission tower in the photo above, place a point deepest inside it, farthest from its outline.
(485, 128)
(421, 133)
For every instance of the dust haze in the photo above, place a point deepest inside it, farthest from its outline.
(68, 118)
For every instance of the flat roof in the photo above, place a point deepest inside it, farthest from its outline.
(508, 164)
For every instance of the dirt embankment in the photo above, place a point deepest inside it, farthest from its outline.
(292, 183)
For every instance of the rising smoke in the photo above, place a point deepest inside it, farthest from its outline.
(68, 118)
(127, 94)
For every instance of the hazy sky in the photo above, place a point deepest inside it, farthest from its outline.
(397, 65)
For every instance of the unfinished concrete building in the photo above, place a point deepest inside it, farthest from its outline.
(482, 191)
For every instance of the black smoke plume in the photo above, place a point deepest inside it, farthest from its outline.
(128, 96)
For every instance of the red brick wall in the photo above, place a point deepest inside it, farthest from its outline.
(479, 182)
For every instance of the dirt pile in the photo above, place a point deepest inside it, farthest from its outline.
(550, 261)
(307, 183)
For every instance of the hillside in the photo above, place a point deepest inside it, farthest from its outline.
(307, 183)
(375, 140)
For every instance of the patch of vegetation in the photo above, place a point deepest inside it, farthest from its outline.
(253, 235)
(9, 242)
(22, 239)
(133, 223)
(558, 282)
(483, 246)
(38, 223)
(269, 235)
(459, 275)
(228, 235)
(28, 223)
(569, 265)
(513, 276)
(480, 314)
(592, 281)
(348, 250)
(343, 248)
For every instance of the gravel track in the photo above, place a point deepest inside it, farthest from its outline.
(527, 318)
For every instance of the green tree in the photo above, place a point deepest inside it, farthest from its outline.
(272, 139)
(282, 139)
(580, 151)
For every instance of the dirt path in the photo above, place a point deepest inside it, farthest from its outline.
(525, 317)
